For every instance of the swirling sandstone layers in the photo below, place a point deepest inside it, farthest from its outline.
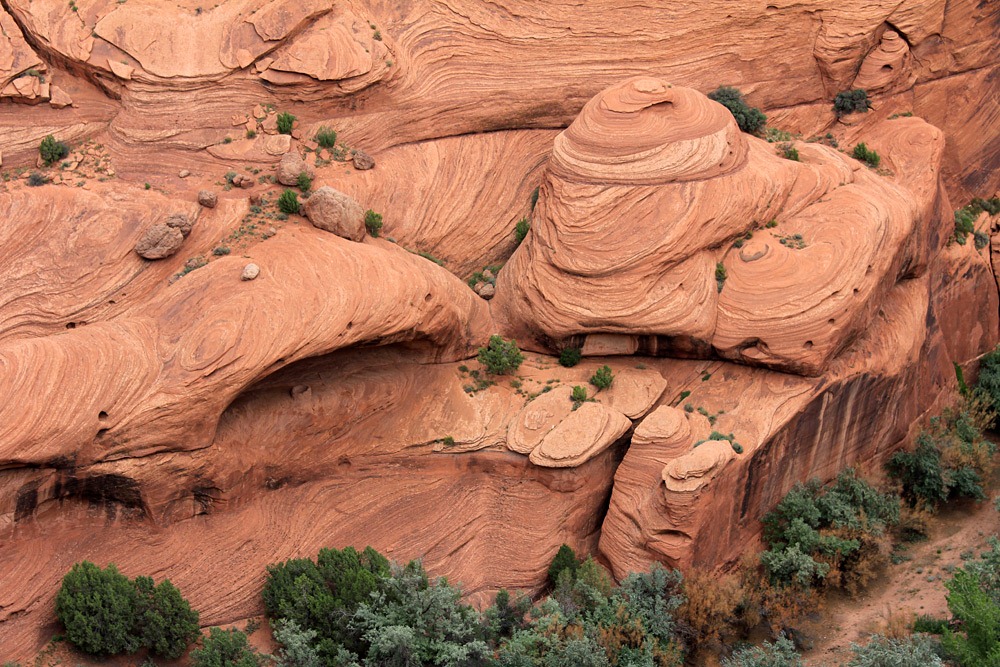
(644, 197)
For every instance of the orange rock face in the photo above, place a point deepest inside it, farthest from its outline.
(270, 388)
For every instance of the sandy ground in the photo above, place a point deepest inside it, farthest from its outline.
(910, 588)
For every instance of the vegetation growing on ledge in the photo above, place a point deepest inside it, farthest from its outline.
(500, 356)
(866, 155)
(851, 101)
(750, 119)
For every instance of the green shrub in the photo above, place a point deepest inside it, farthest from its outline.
(251, 134)
(98, 609)
(977, 644)
(165, 621)
(851, 101)
(52, 150)
(720, 276)
(565, 559)
(930, 625)
(373, 222)
(789, 152)
(749, 119)
(779, 654)
(499, 356)
(839, 528)
(326, 137)
(579, 394)
(285, 122)
(35, 179)
(603, 378)
(912, 651)
(288, 202)
(221, 250)
(303, 181)
(297, 646)
(521, 230)
(988, 382)
(570, 356)
(226, 648)
(866, 155)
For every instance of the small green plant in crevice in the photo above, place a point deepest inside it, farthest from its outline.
(326, 137)
(304, 181)
(851, 101)
(750, 119)
(868, 156)
(789, 152)
(965, 220)
(579, 396)
(52, 150)
(221, 250)
(602, 378)
(285, 122)
(447, 441)
(521, 230)
(534, 198)
(771, 224)
(251, 134)
(569, 356)
(730, 438)
(720, 275)
(288, 202)
(428, 256)
(373, 223)
(500, 356)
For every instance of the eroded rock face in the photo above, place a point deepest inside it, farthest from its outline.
(652, 186)
(335, 212)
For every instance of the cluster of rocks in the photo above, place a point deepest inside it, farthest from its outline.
(164, 238)
(486, 287)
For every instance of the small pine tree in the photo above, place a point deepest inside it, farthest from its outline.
(164, 619)
(225, 648)
(52, 150)
(565, 559)
(603, 378)
(97, 608)
(499, 356)
(288, 202)
(373, 223)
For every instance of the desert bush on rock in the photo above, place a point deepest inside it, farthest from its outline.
(851, 101)
(521, 230)
(866, 155)
(499, 356)
(569, 356)
(105, 613)
(52, 150)
(977, 641)
(750, 119)
(285, 122)
(36, 179)
(373, 223)
(988, 382)
(288, 202)
(602, 378)
(326, 137)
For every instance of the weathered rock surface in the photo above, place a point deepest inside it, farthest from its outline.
(160, 241)
(207, 198)
(335, 212)
(291, 166)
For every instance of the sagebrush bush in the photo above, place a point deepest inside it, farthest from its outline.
(851, 101)
(52, 150)
(373, 223)
(288, 202)
(500, 356)
(781, 653)
(36, 179)
(326, 137)
(879, 651)
(750, 119)
(304, 181)
(866, 155)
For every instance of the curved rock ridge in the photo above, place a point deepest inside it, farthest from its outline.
(163, 375)
(745, 255)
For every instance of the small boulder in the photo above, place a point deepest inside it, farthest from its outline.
(291, 166)
(486, 290)
(242, 181)
(363, 161)
(207, 198)
(250, 271)
(255, 199)
(183, 173)
(159, 241)
(180, 222)
(335, 212)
